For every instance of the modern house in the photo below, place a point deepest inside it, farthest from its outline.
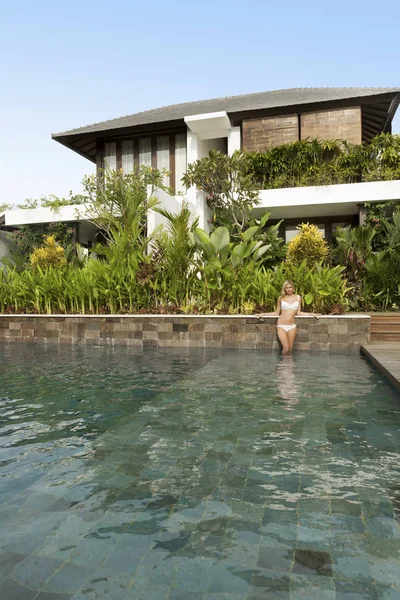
(172, 137)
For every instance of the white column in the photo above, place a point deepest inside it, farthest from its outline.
(234, 140)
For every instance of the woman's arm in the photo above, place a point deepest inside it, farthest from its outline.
(273, 314)
(300, 313)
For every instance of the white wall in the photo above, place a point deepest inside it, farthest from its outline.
(326, 200)
(234, 140)
(3, 244)
(171, 203)
(45, 215)
(196, 149)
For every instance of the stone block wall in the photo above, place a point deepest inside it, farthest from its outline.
(266, 132)
(340, 123)
(344, 334)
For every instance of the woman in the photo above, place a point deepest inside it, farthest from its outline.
(289, 305)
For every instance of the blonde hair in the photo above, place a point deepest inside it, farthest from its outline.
(285, 283)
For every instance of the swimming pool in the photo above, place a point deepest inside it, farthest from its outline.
(212, 475)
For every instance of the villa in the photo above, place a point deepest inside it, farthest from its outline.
(172, 137)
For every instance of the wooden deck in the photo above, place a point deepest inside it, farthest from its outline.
(385, 327)
(386, 356)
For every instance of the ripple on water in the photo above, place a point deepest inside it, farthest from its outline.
(201, 472)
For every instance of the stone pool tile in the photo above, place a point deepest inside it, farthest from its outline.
(284, 534)
(178, 594)
(377, 509)
(387, 593)
(383, 547)
(40, 500)
(129, 552)
(230, 578)
(353, 568)
(23, 542)
(51, 596)
(69, 579)
(73, 525)
(57, 547)
(315, 520)
(12, 590)
(34, 571)
(347, 524)
(269, 584)
(312, 505)
(193, 574)
(312, 587)
(146, 589)
(90, 552)
(382, 527)
(107, 584)
(158, 567)
(386, 572)
(274, 542)
(251, 512)
(312, 562)
(248, 532)
(8, 511)
(346, 507)
(241, 554)
(223, 596)
(275, 559)
(9, 560)
(350, 590)
(287, 516)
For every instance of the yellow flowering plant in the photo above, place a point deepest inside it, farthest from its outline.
(51, 254)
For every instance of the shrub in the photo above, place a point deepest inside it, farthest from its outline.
(51, 254)
(308, 245)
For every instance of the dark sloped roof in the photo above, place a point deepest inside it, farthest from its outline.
(233, 104)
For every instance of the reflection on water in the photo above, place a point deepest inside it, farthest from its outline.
(286, 381)
(172, 475)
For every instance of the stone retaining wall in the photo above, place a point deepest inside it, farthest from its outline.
(344, 334)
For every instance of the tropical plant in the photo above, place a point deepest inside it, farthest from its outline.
(118, 202)
(23, 241)
(173, 256)
(51, 254)
(323, 162)
(308, 245)
(229, 188)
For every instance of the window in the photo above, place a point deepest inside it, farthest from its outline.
(145, 152)
(163, 155)
(110, 156)
(180, 161)
(127, 159)
(149, 151)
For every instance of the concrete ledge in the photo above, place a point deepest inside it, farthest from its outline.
(343, 334)
(386, 357)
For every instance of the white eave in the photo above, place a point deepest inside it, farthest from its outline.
(210, 125)
(325, 200)
(65, 214)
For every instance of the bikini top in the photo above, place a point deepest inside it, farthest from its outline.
(293, 305)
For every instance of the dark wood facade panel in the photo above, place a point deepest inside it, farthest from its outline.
(340, 123)
(266, 132)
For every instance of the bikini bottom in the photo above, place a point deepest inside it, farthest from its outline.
(287, 327)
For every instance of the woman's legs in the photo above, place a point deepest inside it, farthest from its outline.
(284, 339)
(291, 337)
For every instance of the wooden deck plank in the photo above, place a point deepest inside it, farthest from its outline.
(386, 356)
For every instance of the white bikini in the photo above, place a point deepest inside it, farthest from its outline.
(286, 306)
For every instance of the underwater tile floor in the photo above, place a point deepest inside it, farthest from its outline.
(201, 475)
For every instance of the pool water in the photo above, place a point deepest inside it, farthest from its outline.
(205, 475)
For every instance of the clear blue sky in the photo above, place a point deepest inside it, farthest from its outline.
(68, 64)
